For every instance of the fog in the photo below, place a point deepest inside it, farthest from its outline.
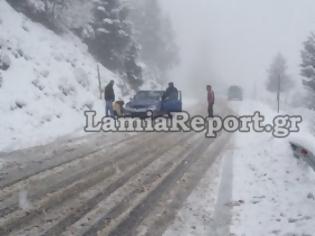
(225, 42)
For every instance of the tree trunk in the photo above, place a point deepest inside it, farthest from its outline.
(278, 93)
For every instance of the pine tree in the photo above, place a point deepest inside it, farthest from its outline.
(77, 15)
(113, 42)
(103, 24)
(308, 62)
(278, 81)
(155, 36)
(58, 15)
(133, 70)
(110, 39)
(47, 12)
(278, 77)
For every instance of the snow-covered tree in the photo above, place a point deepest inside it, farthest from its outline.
(308, 62)
(133, 70)
(54, 8)
(113, 42)
(58, 15)
(278, 77)
(278, 80)
(155, 35)
(77, 15)
(102, 24)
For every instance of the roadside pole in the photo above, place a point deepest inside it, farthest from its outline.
(99, 80)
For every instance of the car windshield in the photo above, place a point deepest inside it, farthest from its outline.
(148, 95)
(235, 90)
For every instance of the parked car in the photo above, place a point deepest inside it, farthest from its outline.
(151, 100)
(235, 93)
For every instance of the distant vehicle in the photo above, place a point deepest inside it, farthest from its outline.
(150, 100)
(235, 93)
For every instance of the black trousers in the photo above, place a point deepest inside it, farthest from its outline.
(210, 110)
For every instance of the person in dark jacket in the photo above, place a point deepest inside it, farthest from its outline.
(109, 98)
(211, 100)
(171, 92)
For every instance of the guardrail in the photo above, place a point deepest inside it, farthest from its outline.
(304, 154)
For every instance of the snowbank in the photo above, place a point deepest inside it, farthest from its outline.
(49, 82)
(306, 137)
(274, 189)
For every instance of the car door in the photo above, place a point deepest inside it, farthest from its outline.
(173, 105)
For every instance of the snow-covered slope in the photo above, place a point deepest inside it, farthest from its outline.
(50, 81)
(273, 192)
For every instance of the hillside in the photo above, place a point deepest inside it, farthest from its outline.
(46, 82)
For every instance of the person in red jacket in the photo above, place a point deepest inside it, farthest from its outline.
(211, 99)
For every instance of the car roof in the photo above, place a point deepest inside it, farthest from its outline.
(161, 92)
(148, 91)
(235, 87)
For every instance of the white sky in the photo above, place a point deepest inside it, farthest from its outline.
(234, 41)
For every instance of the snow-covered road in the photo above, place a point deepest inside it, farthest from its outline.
(105, 184)
(158, 184)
